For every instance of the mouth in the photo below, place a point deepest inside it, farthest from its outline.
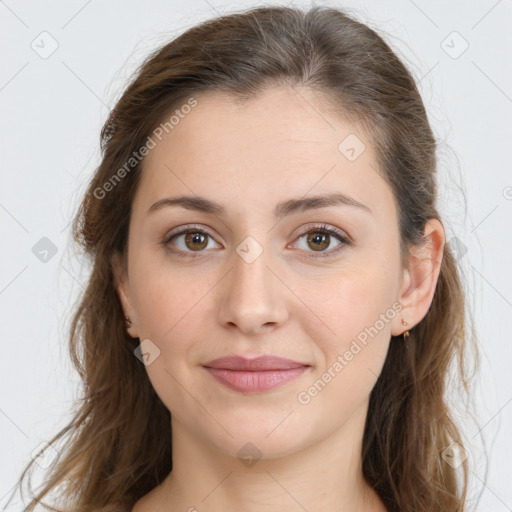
(255, 375)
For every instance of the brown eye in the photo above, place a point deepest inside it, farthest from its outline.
(196, 241)
(318, 241)
(188, 241)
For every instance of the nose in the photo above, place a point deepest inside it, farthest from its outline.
(253, 296)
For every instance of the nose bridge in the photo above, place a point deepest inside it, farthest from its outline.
(251, 274)
(252, 297)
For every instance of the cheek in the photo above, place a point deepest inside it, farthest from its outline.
(166, 294)
(353, 347)
(351, 297)
(350, 313)
(170, 307)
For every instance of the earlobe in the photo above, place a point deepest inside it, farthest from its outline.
(421, 276)
(397, 325)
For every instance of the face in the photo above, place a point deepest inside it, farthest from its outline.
(316, 284)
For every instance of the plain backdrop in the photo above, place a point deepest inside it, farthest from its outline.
(64, 64)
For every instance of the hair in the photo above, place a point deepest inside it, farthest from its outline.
(118, 444)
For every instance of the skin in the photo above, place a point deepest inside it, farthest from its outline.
(249, 157)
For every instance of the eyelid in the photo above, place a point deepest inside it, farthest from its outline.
(328, 228)
(185, 229)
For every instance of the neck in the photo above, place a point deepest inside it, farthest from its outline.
(326, 476)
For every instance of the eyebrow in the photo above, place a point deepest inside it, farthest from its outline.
(283, 209)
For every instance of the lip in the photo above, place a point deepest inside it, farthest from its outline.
(254, 375)
(257, 364)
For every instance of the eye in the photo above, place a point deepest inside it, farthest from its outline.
(319, 238)
(190, 240)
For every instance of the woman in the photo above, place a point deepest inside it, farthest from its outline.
(273, 308)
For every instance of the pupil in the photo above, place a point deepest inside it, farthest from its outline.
(319, 239)
(195, 239)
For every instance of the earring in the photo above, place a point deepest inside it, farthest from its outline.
(406, 333)
(127, 322)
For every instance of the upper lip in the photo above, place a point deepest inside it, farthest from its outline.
(258, 364)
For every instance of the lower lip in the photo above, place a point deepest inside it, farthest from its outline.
(257, 381)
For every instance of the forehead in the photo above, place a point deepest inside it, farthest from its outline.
(284, 142)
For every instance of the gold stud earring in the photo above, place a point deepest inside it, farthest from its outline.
(406, 333)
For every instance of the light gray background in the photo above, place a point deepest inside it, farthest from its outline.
(52, 112)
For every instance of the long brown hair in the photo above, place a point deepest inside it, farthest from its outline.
(118, 445)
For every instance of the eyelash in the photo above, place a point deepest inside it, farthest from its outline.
(315, 229)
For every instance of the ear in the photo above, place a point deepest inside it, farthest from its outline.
(420, 278)
(122, 285)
